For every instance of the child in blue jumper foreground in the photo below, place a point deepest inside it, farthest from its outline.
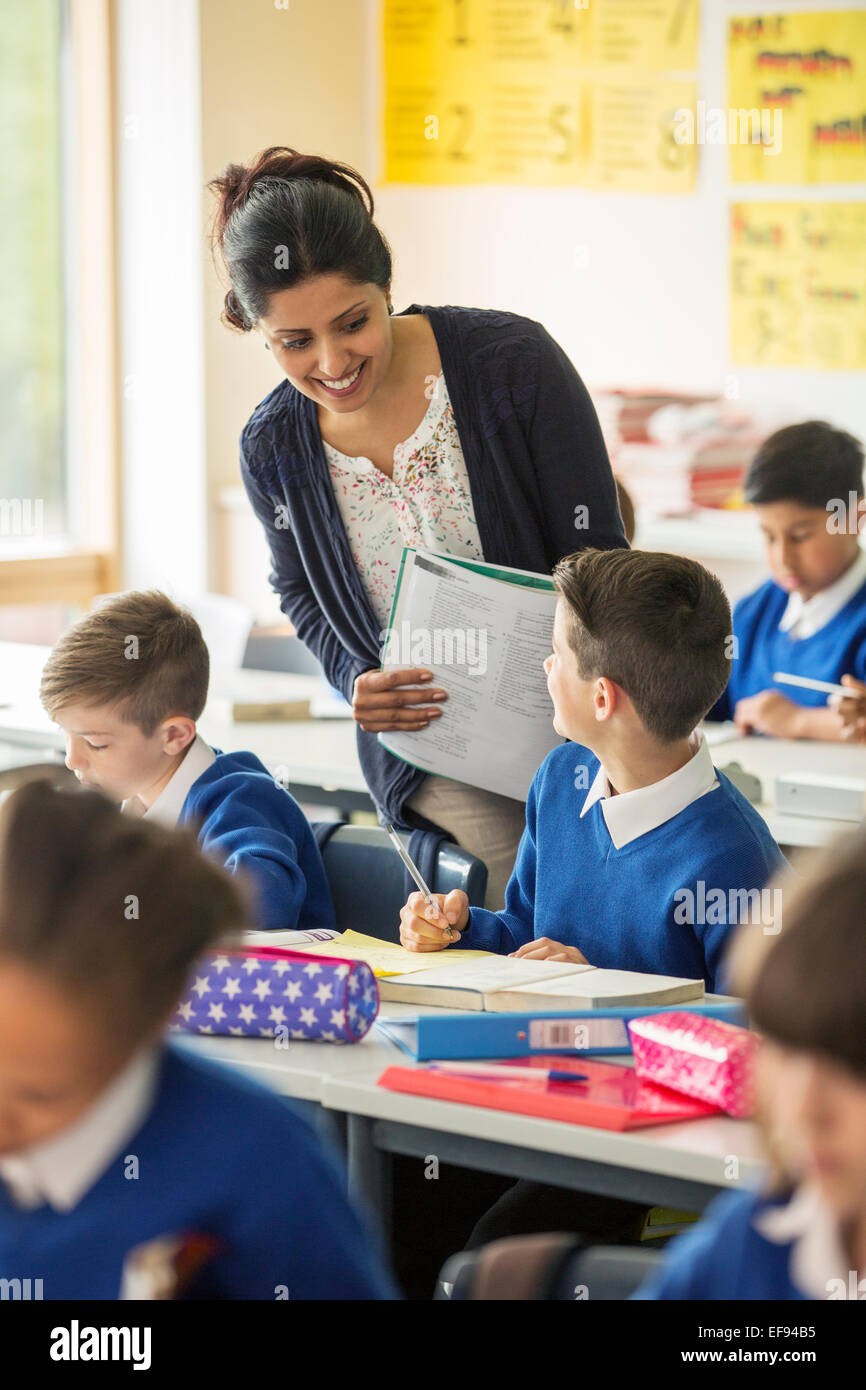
(804, 1236)
(127, 684)
(809, 619)
(638, 854)
(112, 1142)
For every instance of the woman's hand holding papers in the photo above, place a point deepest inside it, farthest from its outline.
(383, 700)
(421, 930)
(544, 949)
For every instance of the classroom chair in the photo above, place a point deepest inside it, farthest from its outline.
(279, 651)
(545, 1267)
(369, 884)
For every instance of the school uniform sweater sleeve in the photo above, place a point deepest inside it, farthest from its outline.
(505, 931)
(729, 876)
(253, 828)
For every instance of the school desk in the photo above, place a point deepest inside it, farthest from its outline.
(679, 1165)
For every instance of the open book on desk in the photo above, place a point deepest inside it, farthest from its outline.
(501, 984)
(483, 980)
(484, 632)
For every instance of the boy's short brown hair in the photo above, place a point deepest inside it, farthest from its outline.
(658, 625)
(137, 651)
(112, 909)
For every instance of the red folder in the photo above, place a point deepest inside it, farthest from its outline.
(612, 1097)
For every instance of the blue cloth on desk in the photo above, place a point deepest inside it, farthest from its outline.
(725, 1257)
(217, 1155)
(250, 823)
(618, 906)
(534, 453)
(835, 650)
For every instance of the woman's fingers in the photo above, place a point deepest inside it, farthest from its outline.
(375, 689)
(374, 721)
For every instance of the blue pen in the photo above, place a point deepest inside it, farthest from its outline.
(492, 1072)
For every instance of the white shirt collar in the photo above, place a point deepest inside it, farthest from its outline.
(632, 814)
(63, 1168)
(817, 1255)
(804, 617)
(167, 807)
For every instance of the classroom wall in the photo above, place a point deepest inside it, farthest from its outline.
(647, 306)
(269, 76)
(650, 305)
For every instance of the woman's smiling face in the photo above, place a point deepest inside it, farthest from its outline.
(329, 330)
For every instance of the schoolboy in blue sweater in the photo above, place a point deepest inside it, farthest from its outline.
(804, 1235)
(127, 684)
(637, 853)
(114, 1147)
(809, 618)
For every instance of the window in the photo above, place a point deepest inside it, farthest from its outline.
(33, 321)
(59, 454)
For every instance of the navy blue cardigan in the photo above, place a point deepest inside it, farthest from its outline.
(534, 455)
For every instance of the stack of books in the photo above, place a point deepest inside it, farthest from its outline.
(677, 454)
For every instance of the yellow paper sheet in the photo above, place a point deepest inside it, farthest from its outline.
(808, 68)
(553, 93)
(387, 958)
(798, 285)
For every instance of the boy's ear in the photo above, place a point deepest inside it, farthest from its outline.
(604, 698)
(178, 732)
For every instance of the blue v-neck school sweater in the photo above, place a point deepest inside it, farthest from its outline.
(724, 1256)
(662, 904)
(217, 1155)
(251, 824)
(836, 650)
(535, 458)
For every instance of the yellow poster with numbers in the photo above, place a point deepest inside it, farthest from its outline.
(798, 285)
(551, 92)
(807, 72)
(647, 35)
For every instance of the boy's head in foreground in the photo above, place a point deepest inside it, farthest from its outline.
(641, 646)
(800, 484)
(101, 919)
(806, 994)
(127, 684)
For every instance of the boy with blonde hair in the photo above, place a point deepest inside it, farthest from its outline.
(127, 684)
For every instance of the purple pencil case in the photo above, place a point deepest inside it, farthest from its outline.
(270, 992)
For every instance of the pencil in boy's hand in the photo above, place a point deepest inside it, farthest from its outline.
(414, 871)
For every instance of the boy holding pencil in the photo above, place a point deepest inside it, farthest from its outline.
(808, 621)
(637, 854)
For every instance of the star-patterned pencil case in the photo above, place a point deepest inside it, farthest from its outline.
(271, 992)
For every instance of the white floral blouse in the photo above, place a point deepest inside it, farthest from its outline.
(427, 502)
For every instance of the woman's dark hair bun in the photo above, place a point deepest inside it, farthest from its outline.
(235, 183)
(286, 199)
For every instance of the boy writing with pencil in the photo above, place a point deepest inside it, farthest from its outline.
(809, 619)
(637, 854)
(127, 684)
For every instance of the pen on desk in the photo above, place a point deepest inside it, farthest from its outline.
(492, 1072)
(807, 683)
(414, 871)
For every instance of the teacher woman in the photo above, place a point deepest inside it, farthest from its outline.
(459, 429)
